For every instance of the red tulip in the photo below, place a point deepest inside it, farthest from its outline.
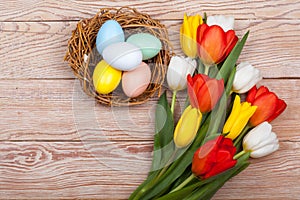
(214, 157)
(214, 45)
(269, 106)
(204, 92)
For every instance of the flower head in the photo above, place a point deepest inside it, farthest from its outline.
(269, 106)
(214, 45)
(261, 141)
(245, 78)
(214, 157)
(204, 92)
(178, 70)
(188, 33)
(226, 22)
(237, 120)
(187, 127)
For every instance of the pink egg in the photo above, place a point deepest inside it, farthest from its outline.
(135, 82)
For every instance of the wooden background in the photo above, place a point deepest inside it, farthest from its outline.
(56, 142)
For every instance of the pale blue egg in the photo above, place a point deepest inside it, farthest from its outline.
(149, 44)
(110, 32)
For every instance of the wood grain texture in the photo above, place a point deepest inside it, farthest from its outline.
(59, 110)
(42, 45)
(75, 170)
(35, 10)
(57, 143)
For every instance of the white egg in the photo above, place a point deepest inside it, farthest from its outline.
(123, 56)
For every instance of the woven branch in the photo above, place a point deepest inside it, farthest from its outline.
(81, 52)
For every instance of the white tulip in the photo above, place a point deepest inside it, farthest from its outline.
(261, 141)
(245, 78)
(226, 22)
(178, 70)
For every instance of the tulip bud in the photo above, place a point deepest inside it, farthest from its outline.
(269, 106)
(237, 120)
(261, 141)
(187, 127)
(204, 92)
(246, 77)
(226, 22)
(214, 157)
(178, 70)
(214, 45)
(188, 33)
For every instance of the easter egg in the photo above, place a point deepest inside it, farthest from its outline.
(122, 56)
(149, 44)
(135, 82)
(106, 78)
(109, 33)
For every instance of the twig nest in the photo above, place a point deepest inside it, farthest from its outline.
(83, 56)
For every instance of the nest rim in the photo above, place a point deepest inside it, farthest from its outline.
(82, 43)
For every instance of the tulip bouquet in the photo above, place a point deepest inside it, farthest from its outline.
(225, 121)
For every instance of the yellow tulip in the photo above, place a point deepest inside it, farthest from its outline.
(188, 33)
(239, 117)
(187, 127)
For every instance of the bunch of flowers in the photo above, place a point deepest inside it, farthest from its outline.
(217, 132)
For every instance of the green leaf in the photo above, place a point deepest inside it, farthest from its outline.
(207, 191)
(230, 82)
(230, 61)
(178, 195)
(179, 166)
(164, 128)
(218, 116)
(149, 178)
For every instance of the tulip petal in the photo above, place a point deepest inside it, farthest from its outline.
(231, 40)
(254, 80)
(266, 106)
(234, 114)
(241, 121)
(245, 78)
(226, 22)
(280, 107)
(178, 70)
(221, 167)
(209, 94)
(191, 92)
(270, 138)
(256, 135)
(212, 45)
(261, 90)
(264, 151)
(187, 127)
(251, 95)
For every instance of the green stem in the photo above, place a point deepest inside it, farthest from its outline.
(243, 133)
(140, 194)
(237, 156)
(184, 183)
(173, 101)
(167, 165)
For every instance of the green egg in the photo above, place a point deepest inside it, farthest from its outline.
(149, 44)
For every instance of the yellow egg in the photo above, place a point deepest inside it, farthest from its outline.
(106, 78)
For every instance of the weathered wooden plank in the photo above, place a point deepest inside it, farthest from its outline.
(36, 49)
(36, 10)
(113, 170)
(59, 110)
